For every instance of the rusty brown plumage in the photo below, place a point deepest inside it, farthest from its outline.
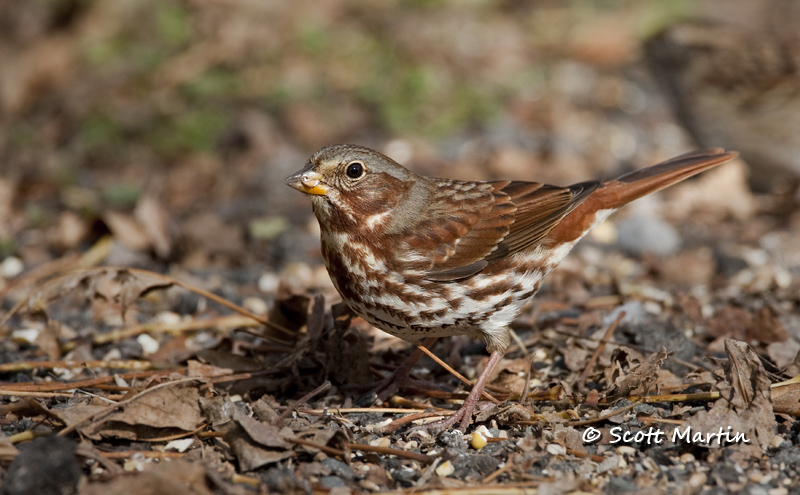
(420, 257)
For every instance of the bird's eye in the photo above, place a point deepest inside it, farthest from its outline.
(355, 170)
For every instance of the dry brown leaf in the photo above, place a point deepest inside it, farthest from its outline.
(784, 354)
(121, 285)
(262, 433)
(250, 454)
(640, 379)
(154, 220)
(786, 399)
(127, 230)
(71, 230)
(794, 368)
(196, 369)
(167, 407)
(744, 405)
(226, 360)
(256, 443)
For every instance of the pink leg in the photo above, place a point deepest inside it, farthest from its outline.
(464, 414)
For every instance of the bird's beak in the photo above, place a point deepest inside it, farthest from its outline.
(308, 181)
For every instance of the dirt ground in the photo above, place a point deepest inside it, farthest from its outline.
(168, 325)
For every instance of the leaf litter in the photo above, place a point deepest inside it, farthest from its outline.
(238, 372)
(237, 402)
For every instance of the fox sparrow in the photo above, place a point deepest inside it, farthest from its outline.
(420, 257)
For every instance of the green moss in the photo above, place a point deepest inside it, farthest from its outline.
(7, 247)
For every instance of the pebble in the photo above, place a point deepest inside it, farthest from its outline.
(181, 445)
(11, 267)
(168, 317)
(268, 283)
(381, 442)
(410, 445)
(25, 335)
(255, 305)
(687, 458)
(339, 468)
(776, 441)
(626, 450)
(329, 482)
(148, 343)
(644, 234)
(697, 480)
(556, 449)
(608, 464)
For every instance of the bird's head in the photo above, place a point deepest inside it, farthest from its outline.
(353, 182)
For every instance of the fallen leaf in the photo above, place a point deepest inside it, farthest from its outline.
(260, 432)
(166, 407)
(127, 231)
(122, 285)
(744, 405)
(154, 220)
(250, 454)
(786, 397)
(640, 379)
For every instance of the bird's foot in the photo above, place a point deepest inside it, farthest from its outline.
(462, 418)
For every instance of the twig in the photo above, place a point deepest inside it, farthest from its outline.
(456, 373)
(129, 364)
(415, 456)
(348, 410)
(24, 393)
(94, 382)
(647, 420)
(585, 455)
(225, 322)
(322, 388)
(676, 397)
(603, 417)
(398, 423)
(590, 365)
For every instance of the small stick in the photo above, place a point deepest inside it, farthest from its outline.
(322, 388)
(590, 365)
(455, 373)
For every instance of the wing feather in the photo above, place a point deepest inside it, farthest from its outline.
(470, 225)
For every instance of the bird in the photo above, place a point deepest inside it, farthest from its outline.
(422, 258)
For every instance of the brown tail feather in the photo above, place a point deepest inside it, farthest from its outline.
(642, 182)
(616, 193)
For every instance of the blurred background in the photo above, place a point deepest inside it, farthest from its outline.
(171, 125)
